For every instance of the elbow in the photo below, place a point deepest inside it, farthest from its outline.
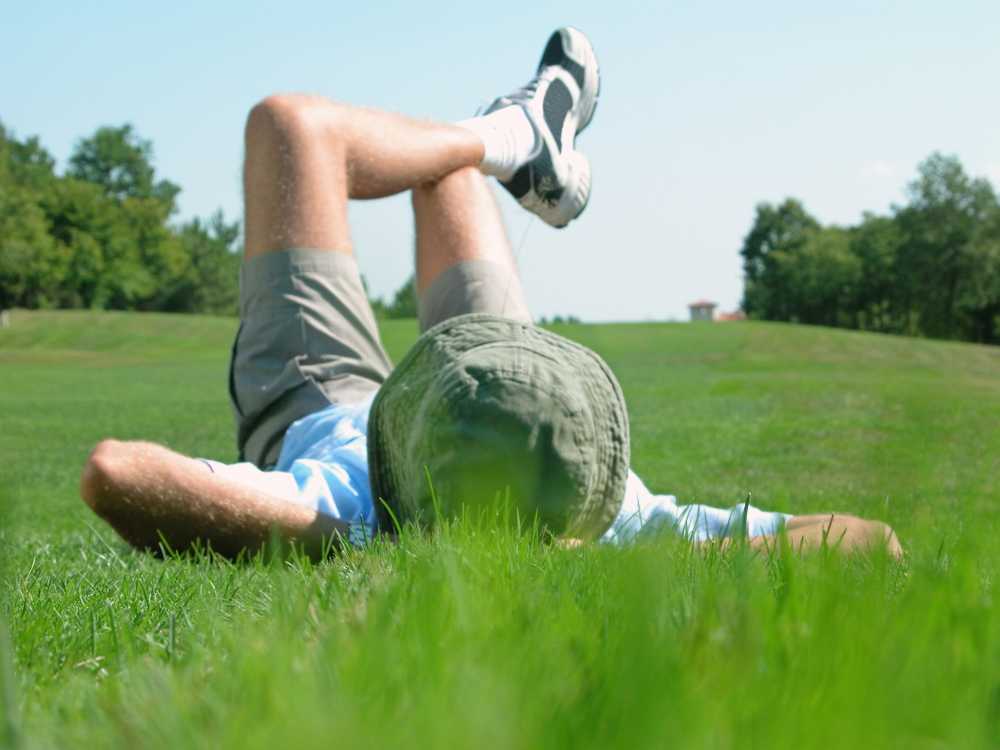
(102, 475)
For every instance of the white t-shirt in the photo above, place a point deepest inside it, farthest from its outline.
(324, 466)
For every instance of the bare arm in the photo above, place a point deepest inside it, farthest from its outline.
(145, 492)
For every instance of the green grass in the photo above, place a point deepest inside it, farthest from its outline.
(474, 638)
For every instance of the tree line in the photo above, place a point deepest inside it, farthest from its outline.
(100, 234)
(931, 267)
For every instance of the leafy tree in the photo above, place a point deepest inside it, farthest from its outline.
(819, 279)
(931, 268)
(100, 235)
(120, 161)
(29, 268)
(948, 229)
(27, 164)
(977, 298)
(29, 263)
(83, 221)
(142, 258)
(784, 229)
(210, 282)
(878, 306)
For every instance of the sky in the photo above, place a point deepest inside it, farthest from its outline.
(706, 109)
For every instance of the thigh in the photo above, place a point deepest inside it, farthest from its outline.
(307, 339)
(473, 286)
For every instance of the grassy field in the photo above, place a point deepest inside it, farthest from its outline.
(474, 638)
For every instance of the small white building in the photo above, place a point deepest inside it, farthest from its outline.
(702, 310)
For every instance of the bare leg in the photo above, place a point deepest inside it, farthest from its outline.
(306, 156)
(836, 531)
(457, 219)
(840, 531)
(464, 260)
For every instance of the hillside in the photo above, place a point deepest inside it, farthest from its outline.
(474, 638)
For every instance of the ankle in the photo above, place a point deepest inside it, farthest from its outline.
(509, 140)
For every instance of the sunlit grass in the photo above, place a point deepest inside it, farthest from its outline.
(477, 637)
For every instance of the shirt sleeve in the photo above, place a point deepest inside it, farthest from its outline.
(644, 513)
(328, 488)
(278, 484)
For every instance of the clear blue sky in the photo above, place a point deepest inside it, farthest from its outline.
(706, 109)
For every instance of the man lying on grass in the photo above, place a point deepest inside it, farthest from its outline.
(334, 443)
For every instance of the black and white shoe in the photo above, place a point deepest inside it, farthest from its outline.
(560, 102)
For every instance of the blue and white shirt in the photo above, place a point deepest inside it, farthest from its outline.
(324, 466)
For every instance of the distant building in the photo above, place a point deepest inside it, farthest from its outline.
(702, 310)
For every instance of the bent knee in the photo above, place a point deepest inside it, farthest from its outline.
(284, 118)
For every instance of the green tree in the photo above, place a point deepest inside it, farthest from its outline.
(210, 282)
(876, 243)
(977, 297)
(931, 268)
(100, 235)
(819, 279)
(121, 162)
(30, 267)
(949, 232)
(782, 229)
(82, 221)
(28, 164)
(112, 195)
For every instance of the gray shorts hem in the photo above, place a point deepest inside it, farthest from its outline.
(473, 286)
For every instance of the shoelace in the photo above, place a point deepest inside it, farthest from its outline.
(526, 92)
(521, 96)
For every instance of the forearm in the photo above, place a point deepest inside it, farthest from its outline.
(150, 494)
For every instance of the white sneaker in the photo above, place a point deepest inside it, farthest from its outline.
(560, 102)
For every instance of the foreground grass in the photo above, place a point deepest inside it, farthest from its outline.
(475, 637)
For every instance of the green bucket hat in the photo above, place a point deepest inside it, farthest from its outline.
(488, 407)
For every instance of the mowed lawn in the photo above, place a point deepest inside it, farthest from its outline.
(476, 638)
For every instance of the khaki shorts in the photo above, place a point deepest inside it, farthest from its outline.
(308, 339)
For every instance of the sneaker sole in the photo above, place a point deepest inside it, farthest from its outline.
(578, 46)
(576, 194)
